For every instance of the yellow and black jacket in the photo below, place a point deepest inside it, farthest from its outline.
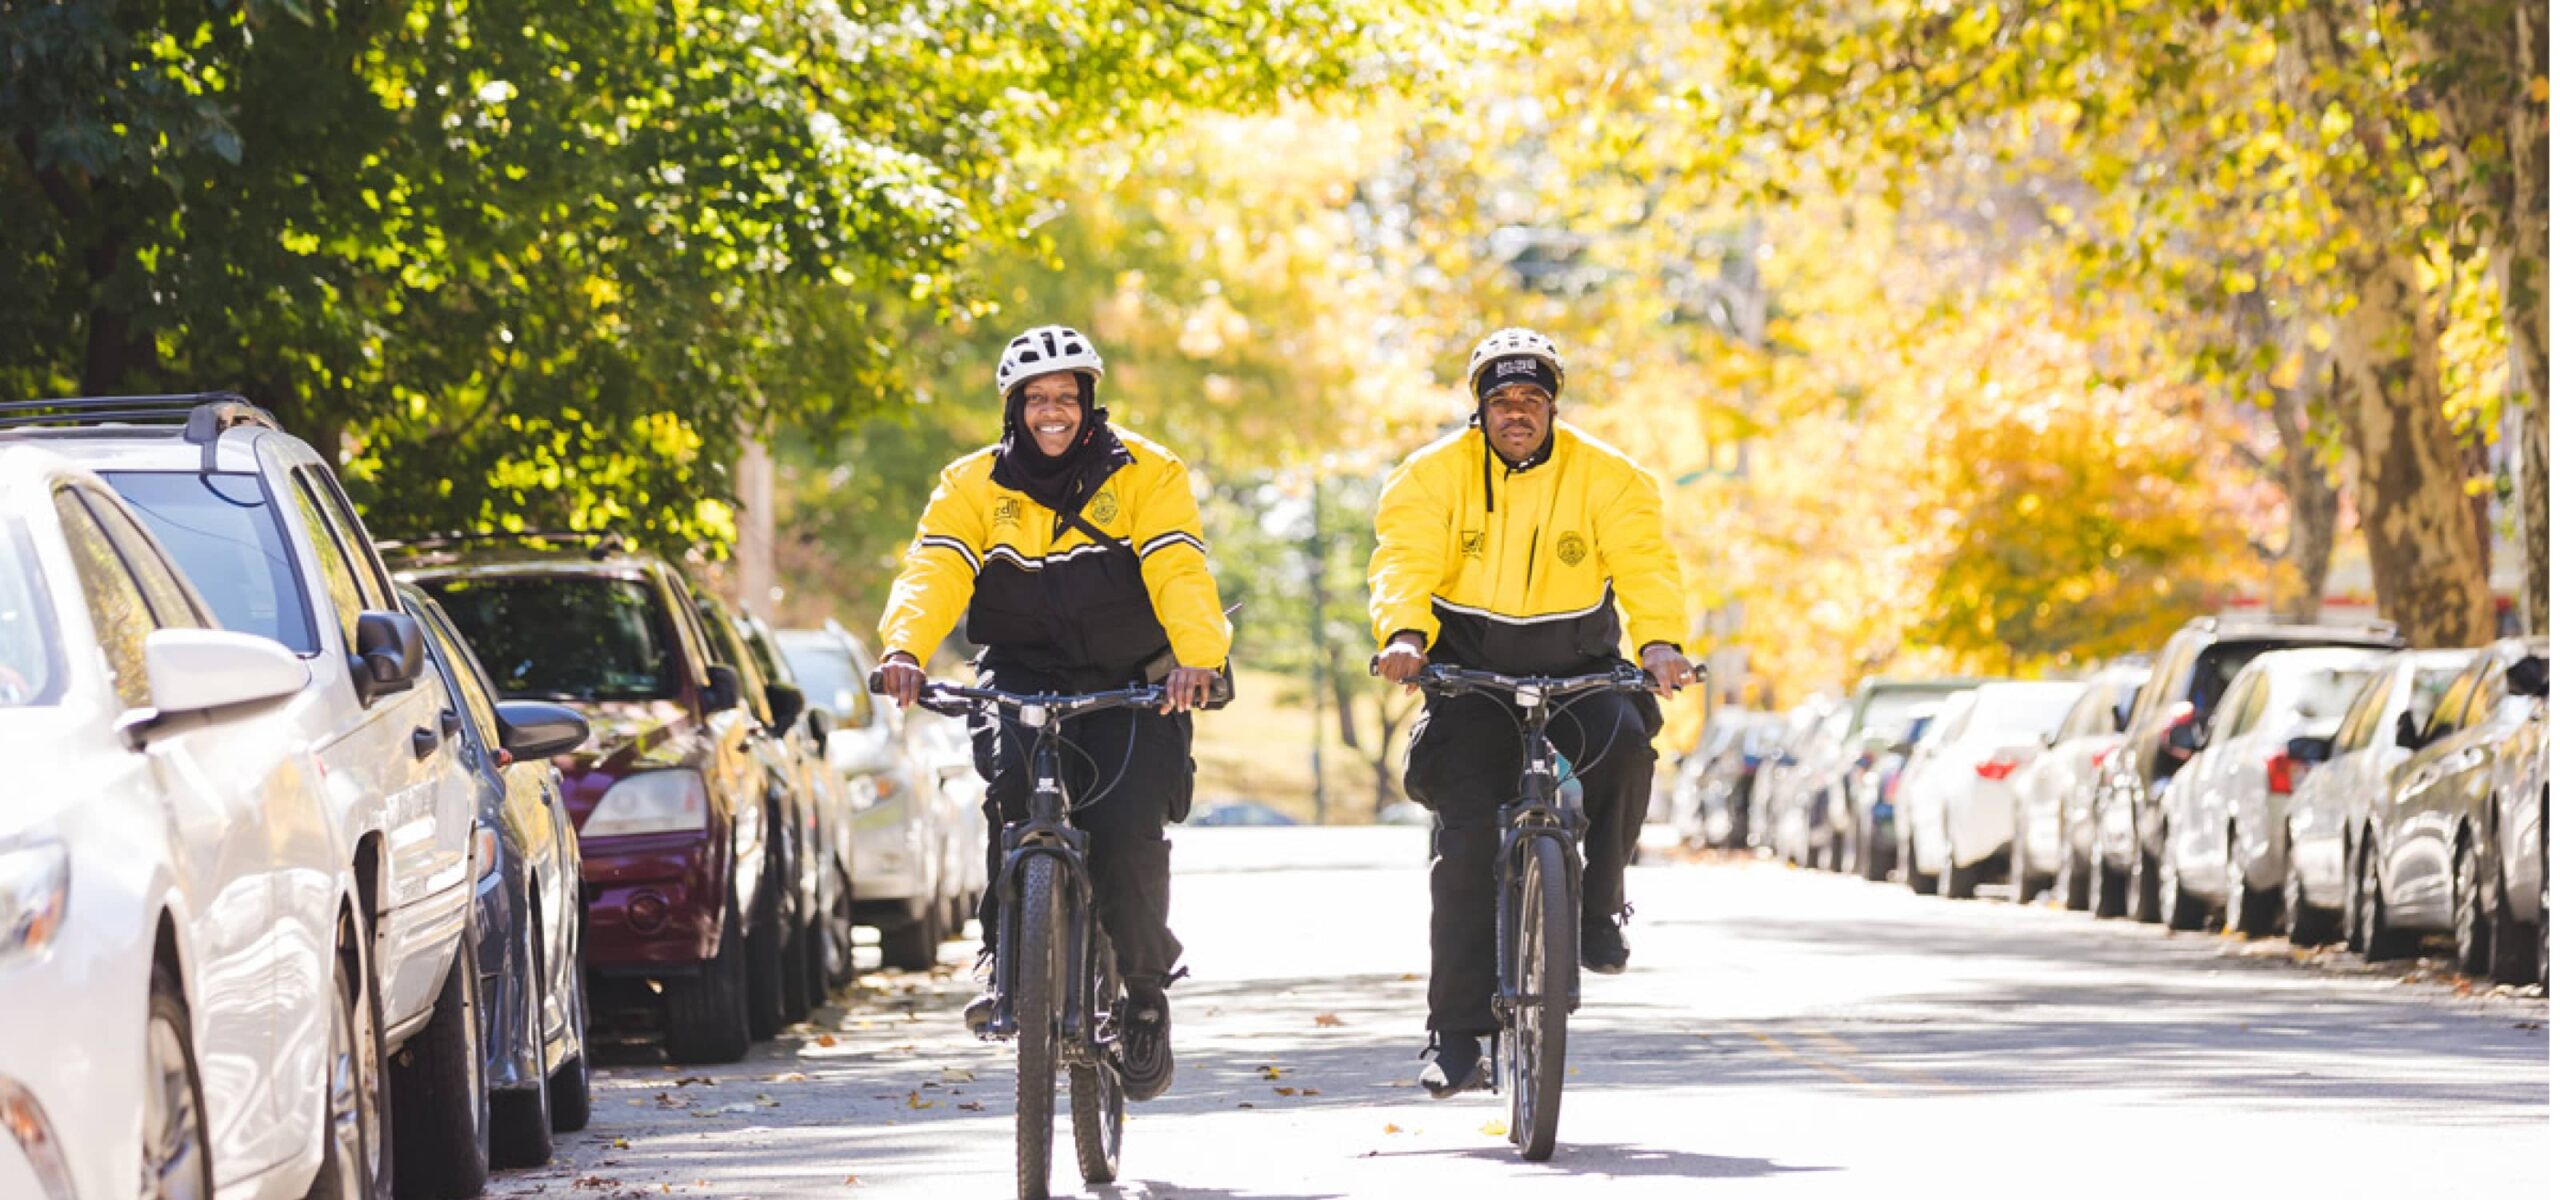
(1040, 593)
(1529, 579)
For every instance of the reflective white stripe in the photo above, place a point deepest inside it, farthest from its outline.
(1495, 616)
(954, 545)
(1175, 538)
(1034, 563)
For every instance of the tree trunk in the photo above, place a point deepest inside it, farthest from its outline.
(2311, 506)
(2430, 574)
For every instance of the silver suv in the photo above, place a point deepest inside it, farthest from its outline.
(255, 518)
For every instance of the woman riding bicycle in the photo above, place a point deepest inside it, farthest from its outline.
(1074, 550)
(1520, 568)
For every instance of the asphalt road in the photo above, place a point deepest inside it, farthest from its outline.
(1781, 1033)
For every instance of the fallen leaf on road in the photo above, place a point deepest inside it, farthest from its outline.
(622, 1143)
(972, 1106)
(788, 1077)
(1410, 977)
(852, 1180)
(636, 1103)
(1495, 1129)
(1244, 1106)
(917, 1100)
(1286, 1091)
(1309, 1092)
(1328, 1021)
(767, 1101)
(957, 1075)
(829, 1039)
(704, 1080)
(1392, 1127)
(1273, 1072)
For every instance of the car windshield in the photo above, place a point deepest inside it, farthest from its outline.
(2427, 687)
(826, 674)
(1889, 713)
(2314, 701)
(230, 543)
(30, 654)
(2033, 710)
(563, 637)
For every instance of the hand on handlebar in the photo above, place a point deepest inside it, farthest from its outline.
(1670, 669)
(1401, 660)
(1187, 688)
(899, 678)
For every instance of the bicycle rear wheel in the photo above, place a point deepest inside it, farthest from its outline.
(1546, 944)
(1095, 1097)
(1036, 978)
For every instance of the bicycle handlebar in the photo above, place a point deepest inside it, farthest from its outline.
(954, 700)
(1450, 680)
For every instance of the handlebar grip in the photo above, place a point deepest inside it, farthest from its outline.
(879, 686)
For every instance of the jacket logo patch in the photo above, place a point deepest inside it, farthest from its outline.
(1471, 544)
(1008, 511)
(1571, 549)
(1105, 507)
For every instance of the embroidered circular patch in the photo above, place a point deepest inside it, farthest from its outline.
(1571, 549)
(1105, 507)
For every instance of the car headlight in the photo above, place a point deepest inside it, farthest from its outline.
(35, 885)
(672, 800)
(484, 852)
(870, 790)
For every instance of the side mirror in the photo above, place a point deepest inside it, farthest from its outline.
(2405, 732)
(821, 723)
(787, 702)
(2530, 676)
(198, 670)
(2308, 749)
(529, 730)
(724, 690)
(391, 652)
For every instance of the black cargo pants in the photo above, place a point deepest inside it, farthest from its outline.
(1127, 771)
(1463, 763)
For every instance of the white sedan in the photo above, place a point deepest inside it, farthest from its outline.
(1956, 804)
(141, 1019)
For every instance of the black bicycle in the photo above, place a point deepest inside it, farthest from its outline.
(1538, 904)
(1057, 988)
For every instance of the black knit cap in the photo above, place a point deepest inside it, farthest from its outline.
(1515, 368)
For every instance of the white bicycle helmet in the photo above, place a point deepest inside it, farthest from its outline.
(1512, 343)
(1043, 350)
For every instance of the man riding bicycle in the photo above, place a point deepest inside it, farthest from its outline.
(1510, 546)
(1074, 550)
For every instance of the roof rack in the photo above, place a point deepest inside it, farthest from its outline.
(600, 545)
(200, 417)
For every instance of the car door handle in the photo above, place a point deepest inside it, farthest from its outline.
(449, 723)
(423, 741)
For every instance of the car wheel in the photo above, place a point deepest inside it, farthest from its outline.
(176, 1163)
(2382, 943)
(2179, 910)
(2511, 944)
(520, 1118)
(440, 1093)
(2074, 883)
(2022, 876)
(2142, 892)
(355, 1141)
(1921, 881)
(1961, 882)
(572, 1083)
(2352, 918)
(707, 1018)
(2247, 911)
(765, 1011)
(916, 945)
(2304, 925)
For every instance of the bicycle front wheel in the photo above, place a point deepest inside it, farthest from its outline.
(1095, 1098)
(1547, 948)
(1038, 963)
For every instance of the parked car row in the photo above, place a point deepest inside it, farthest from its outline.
(328, 869)
(2315, 780)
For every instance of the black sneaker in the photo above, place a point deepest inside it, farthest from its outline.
(1604, 948)
(1146, 1045)
(1453, 1063)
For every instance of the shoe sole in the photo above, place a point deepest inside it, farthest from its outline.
(1476, 1081)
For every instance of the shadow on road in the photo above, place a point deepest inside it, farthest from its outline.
(1601, 1161)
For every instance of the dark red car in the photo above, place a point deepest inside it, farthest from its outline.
(677, 822)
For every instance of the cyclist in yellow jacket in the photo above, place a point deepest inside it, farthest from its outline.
(1074, 551)
(1511, 546)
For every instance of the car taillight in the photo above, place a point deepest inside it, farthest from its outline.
(2280, 770)
(1995, 768)
(2098, 758)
